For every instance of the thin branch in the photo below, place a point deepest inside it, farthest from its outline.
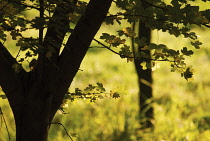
(150, 4)
(124, 56)
(64, 129)
(18, 53)
(96, 47)
(1, 113)
(107, 47)
(88, 94)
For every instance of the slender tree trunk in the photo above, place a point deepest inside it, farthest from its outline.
(145, 82)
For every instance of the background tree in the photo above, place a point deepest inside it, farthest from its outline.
(163, 16)
(146, 112)
(36, 92)
(145, 81)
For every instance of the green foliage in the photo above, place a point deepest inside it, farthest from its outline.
(91, 92)
(187, 52)
(175, 18)
(188, 73)
(112, 39)
(196, 44)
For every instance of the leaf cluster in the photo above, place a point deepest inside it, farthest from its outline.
(91, 93)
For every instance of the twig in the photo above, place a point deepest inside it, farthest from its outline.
(18, 53)
(64, 129)
(107, 47)
(1, 113)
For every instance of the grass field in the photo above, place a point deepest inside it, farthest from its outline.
(182, 109)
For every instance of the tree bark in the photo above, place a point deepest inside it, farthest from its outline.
(33, 124)
(145, 82)
(35, 96)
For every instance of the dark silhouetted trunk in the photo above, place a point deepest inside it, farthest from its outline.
(145, 82)
(33, 121)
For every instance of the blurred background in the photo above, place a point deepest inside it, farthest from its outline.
(181, 108)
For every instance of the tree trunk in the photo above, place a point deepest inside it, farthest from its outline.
(33, 124)
(145, 82)
(32, 119)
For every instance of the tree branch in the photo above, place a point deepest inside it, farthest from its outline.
(4, 53)
(77, 46)
(11, 81)
(107, 47)
(57, 28)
